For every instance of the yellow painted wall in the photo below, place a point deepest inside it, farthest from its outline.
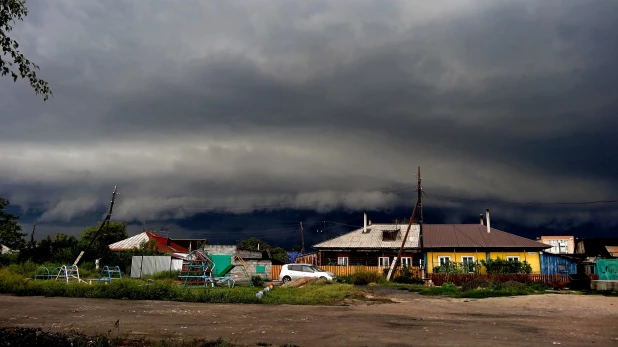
(533, 258)
(432, 258)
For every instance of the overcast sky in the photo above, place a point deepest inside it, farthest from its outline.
(202, 106)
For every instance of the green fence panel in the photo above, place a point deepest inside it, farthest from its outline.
(608, 269)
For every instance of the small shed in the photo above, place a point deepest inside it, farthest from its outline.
(552, 264)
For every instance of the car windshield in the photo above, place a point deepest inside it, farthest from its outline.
(316, 269)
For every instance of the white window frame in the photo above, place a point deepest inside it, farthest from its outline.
(343, 261)
(467, 256)
(447, 257)
(406, 261)
(388, 262)
(512, 257)
(470, 259)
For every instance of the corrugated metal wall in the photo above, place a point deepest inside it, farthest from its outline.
(150, 264)
(553, 264)
(608, 269)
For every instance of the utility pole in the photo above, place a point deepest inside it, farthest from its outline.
(419, 192)
(417, 206)
(302, 239)
(324, 230)
(105, 223)
(420, 223)
(32, 236)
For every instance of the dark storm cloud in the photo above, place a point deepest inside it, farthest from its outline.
(321, 105)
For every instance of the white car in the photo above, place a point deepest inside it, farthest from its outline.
(291, 272)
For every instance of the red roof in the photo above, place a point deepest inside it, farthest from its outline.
(473, 236)
(167, 245)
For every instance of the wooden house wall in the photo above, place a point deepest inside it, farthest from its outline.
(366, 258)
(550, 264)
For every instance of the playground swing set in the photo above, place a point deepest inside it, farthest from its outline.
(199, 269)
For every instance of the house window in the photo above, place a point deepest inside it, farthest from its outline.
(406, 261)
(562, 267)
(512, 258)
(343, 261)
(444, 260)
(383, 261)
(467, 263)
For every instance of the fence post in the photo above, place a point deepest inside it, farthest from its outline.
(141, 264)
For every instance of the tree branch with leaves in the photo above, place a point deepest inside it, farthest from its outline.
(12, 61)
(10, 230)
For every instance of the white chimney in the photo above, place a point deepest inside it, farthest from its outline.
(365, 222)
(487, 218)
(482, 219)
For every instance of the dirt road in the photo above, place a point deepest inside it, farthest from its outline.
(545, 320)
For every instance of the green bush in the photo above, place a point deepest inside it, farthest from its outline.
(347, 279)
(506, 267)
(365, 277)
(257, 281)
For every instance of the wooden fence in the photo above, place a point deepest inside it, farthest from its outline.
(348, 270)
(461, 279)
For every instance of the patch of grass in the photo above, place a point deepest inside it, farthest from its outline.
(320, 293)
(493, 290)
(38, 337)
(163, 275)
(408, 280)
(314, 294)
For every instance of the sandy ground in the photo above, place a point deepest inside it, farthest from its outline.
(414, 320)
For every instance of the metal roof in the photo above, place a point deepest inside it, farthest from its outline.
(373, 238)
(130, 243)
(161, 243)
(473, 236)
(434, 236)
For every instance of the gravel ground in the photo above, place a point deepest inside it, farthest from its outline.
(413, 320)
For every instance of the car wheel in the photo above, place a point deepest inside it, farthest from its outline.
(286, 279)
(322, 278)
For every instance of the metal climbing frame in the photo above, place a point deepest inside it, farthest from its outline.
(243, 266)
(110, 273)
(197, 269)
(68, 273)
(42, 273)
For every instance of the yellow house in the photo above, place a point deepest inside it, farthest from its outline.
(471, 243)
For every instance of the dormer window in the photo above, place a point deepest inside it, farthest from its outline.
(389, 235)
